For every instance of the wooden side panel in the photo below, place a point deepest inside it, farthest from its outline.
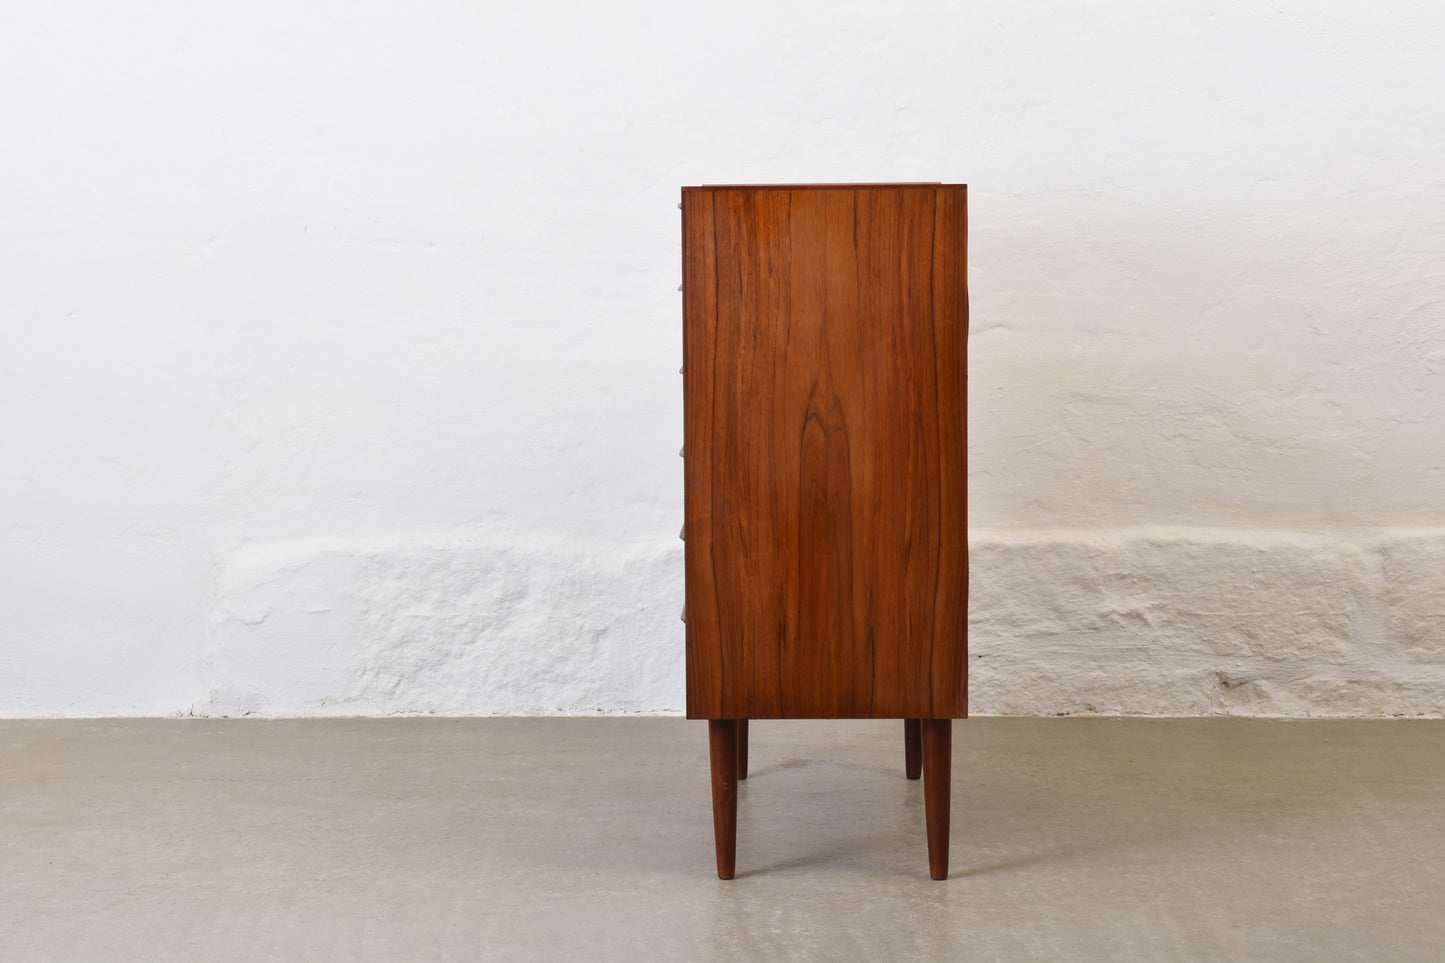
(824, 389)
(705, 673)
(949, 671)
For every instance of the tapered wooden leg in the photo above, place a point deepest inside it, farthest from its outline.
(937, 776)
(723, 745)
(742, 748)
(912, 749)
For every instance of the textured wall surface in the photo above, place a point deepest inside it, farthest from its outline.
(1148, 621)
(341, 354)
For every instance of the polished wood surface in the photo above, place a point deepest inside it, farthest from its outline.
(824, 338)
(825, 334)
(937, 781)
(723, 751)
(912, 748)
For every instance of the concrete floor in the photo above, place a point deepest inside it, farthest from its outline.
(591, 839)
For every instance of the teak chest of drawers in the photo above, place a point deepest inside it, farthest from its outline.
(825, 333)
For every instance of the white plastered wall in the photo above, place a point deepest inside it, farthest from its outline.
(341, 342)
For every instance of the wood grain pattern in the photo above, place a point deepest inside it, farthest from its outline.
(937, 787)
(723, 756)
(825, 383)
